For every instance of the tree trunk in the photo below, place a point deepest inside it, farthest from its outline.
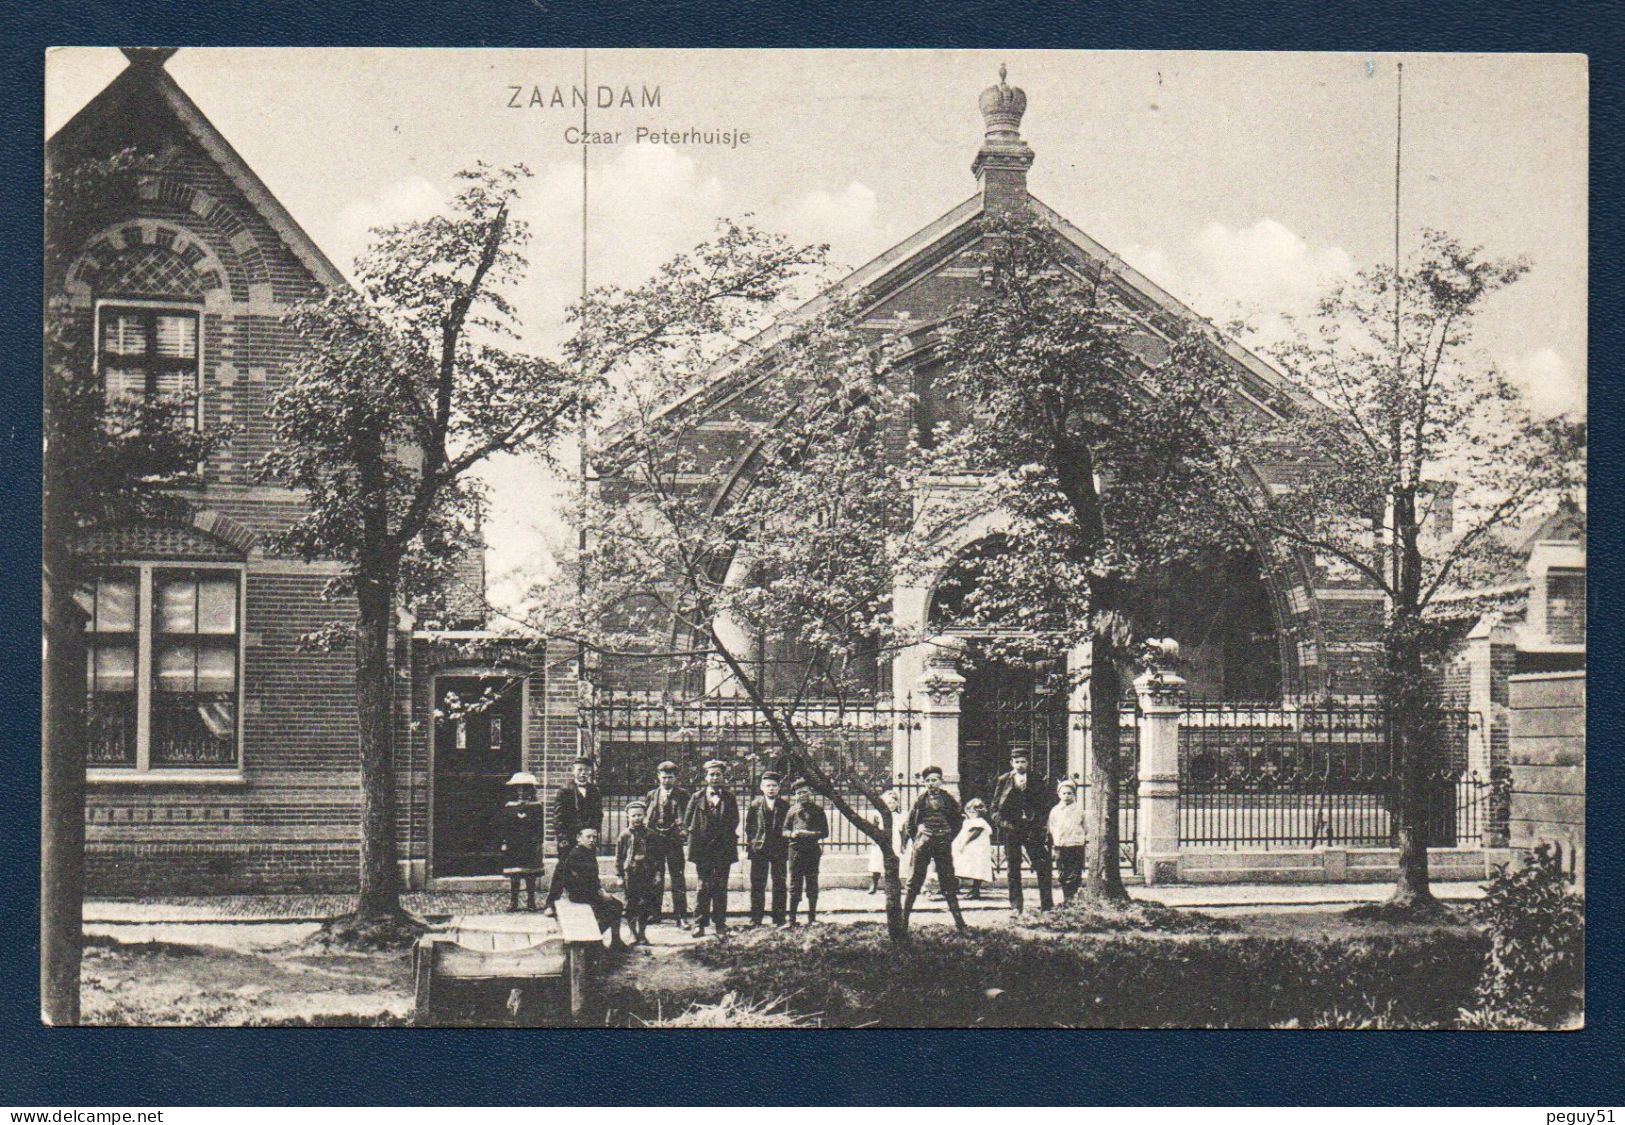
(896, 924)
(62, 789)
(1105, 881)
(1412, 752)
(1409, 706)
(380, 889)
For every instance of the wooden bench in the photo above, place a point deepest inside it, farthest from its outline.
(526, 950)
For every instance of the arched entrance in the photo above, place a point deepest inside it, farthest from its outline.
(1016, 687)
(1018, 684)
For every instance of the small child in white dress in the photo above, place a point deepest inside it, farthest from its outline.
(973, 848)
(877, 867)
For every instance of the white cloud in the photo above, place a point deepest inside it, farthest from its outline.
(1261, 273)
(1265, 264)
(1552, 384)
(412, 198)
(844, 219)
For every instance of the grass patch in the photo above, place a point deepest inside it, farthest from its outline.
(1084, 916)
(1006, 977)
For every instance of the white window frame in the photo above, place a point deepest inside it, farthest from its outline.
(144, 771)
(194, 308)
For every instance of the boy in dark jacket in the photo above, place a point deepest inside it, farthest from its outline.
(576, 878)
(805, 828)
(578, 804)
(638, 865)
(766, 846)
(932, 824)
(712, 827)
(522, 820)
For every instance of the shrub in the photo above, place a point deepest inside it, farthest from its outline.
(1535, 970)
(1001, 977)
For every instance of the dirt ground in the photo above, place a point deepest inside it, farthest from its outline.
(237, 974)
(263, 973)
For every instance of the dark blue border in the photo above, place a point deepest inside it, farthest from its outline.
(118, 1067)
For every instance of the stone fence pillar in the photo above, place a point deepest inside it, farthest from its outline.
(1162, 705)
(937, 692)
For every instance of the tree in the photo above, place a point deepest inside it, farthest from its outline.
(105, 461)
(1100, 461)
(403, 388)
(1411, 425)
(779, 577)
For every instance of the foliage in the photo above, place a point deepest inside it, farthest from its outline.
(1407, 423)
(1005, 978)
(406, 384)
(1095, 447)
(1409, 419)
(749, 507)
(401, 389)
(1090, 438)
(1535, 971)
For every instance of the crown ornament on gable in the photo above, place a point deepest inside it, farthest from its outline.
(1002, 106)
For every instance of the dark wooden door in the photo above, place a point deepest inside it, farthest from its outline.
(474, 755)
(1005, 706)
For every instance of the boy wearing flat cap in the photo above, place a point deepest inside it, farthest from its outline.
(522, 839)
(667, 802)
(805, 829)
(639, 868)
(932, 825)
(766, 846)
(712, 824)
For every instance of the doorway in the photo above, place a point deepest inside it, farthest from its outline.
(1008, 705)
(475, 753)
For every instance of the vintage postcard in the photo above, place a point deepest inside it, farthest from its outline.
(814, 539)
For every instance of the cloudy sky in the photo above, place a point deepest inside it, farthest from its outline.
(1242, 183)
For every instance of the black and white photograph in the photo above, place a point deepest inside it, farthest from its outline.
(814, 539)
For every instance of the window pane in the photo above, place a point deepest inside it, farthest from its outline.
(217, 604)
(175, 384)
(125, 383)
(177, 336)
(177, 667)
(115, 605)
(176, 610)
(124, 334)
(217, 668)
(111, 668)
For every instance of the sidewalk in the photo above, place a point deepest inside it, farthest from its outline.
(847, 904)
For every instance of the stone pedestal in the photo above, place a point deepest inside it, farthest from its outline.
(1162, 704)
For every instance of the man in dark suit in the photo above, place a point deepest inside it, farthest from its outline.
(767, 848)
(712, 824)
(577, 805)
(576, 878)
(667, 802)
(1021, 806)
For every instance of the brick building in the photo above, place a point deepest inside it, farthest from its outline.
(223, 754)
(1268, 625)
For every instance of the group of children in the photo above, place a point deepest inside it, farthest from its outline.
(972, 848)
(784, 845)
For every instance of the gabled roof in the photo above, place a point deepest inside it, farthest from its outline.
(914, 257)
(144, 86)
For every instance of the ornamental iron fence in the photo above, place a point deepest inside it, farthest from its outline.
(1270, 775)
